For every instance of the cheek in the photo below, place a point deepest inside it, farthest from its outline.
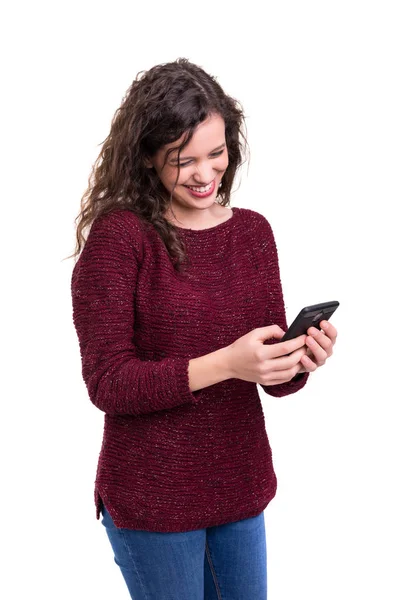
(169, 177)
(222, 163)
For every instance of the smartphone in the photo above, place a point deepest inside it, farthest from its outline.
(310, 316)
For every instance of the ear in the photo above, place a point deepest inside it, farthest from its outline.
(148, 163)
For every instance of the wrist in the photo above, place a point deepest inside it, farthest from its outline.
(225, 360)
(209, 369)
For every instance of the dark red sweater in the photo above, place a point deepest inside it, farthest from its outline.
(172, 460)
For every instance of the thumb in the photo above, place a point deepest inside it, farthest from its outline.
(269, 332)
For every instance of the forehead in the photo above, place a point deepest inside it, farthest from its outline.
(209, 134)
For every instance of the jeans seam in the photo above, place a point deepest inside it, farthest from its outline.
(133, 563)
(213, 573)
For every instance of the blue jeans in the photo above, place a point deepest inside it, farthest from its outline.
(225, 562)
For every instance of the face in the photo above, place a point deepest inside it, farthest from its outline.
(203, 162)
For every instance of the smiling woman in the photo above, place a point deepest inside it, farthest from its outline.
(172, 352)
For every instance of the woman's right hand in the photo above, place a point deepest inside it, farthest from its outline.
(251, 360)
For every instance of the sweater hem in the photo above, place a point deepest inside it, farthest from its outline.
(188, 523)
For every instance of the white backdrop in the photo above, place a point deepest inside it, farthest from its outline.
(319, 83)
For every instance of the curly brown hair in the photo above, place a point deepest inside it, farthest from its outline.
(161, 105)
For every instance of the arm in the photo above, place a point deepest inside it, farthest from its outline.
(209, 369)
(103, 300)
(275, 310)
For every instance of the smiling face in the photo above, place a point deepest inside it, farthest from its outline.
(203, 163)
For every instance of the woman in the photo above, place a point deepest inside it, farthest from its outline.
(178, 307)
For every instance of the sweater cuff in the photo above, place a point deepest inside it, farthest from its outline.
(182, 382)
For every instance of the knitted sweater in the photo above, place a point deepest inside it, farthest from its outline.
(173, 460)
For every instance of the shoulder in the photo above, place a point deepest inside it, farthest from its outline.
(121, 221)
(256, 222)
(116, 233)
(114, 244)
(121, 224)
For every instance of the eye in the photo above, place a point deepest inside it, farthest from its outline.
(214, 155)
(217, 153)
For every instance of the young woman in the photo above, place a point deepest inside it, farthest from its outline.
(178, 307)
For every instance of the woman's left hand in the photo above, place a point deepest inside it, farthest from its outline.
(319, 347)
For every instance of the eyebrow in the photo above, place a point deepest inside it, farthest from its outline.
(189, 157)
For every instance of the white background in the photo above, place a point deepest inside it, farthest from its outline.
(319, 83)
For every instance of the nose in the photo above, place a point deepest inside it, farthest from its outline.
(204, 173)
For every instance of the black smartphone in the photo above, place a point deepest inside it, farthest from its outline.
(310, 316)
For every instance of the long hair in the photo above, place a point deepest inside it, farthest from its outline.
(161, 105)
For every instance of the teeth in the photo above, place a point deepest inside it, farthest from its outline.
(201, 189)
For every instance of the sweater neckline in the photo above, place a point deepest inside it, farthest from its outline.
(218, 227)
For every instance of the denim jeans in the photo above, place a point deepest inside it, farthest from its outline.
(225, 562)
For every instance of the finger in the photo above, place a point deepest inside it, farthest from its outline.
(272, 331)
(323, 340)
(277, 381)
(308, 364)
(329, 330)
(283, 348)
(284, 376)
(284, 363)
(320, 355)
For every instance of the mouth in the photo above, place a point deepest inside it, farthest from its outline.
(201, 191)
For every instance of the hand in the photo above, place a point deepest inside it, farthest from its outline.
(251, 360)
(319, 347)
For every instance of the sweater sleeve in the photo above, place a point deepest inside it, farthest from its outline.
(103, 306)
(275, 309)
